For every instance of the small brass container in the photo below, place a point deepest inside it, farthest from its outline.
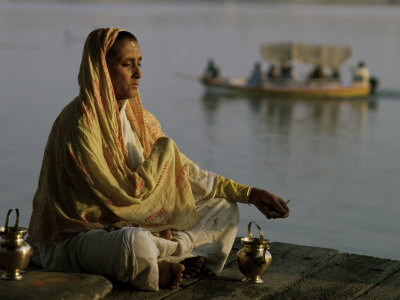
(254, 258)
(15, 253)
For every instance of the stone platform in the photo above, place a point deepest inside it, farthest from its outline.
(296, 272)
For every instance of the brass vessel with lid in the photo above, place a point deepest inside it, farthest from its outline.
(15, 253)
(254, 258)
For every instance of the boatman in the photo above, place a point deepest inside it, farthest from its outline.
(362, 74)
(211, 72)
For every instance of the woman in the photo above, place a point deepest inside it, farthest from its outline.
(116, 197)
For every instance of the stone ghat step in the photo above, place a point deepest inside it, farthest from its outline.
(296, 272)
(43, 285)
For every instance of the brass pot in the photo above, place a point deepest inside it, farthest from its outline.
(15, 253)
(254, 258)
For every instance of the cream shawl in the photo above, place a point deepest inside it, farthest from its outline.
(86, 181)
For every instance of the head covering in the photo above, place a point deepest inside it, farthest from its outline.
(86, 181)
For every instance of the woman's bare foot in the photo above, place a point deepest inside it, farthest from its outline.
(193, 266)
(165, 234)
(170, 274)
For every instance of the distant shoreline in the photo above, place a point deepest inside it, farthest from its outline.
(327, 2)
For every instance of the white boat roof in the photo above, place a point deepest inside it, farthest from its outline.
(315, 54)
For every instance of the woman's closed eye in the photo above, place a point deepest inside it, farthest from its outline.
(139, 64)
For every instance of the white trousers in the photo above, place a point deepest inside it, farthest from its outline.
(131, 254)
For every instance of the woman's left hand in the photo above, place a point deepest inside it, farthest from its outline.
(269, 204)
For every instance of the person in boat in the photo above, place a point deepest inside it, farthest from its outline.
(335, 73)
(211, 73)
(255, 78)
(317, 73)
(116, 197)
(286, 70)
(362, 74)
(273, 72)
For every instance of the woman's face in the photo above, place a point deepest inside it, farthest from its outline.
(124, 69)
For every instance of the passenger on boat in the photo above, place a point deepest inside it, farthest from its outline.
(255, 78)
(317, 73)
(286, 70)
(212, 71)
(116, 197)
(335, 73)
(362, 74)
(273, 72)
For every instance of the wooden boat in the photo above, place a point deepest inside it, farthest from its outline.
(288, 89)
(326, 57)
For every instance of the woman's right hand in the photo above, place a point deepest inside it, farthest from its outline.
(269, 204)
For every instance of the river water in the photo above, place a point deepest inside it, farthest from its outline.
(337, 160)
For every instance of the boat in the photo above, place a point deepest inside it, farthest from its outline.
(322, 86)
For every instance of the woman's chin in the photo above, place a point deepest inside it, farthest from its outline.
(133, 94)
(127, 96)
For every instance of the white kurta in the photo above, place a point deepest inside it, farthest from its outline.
(131, 254)
(363, 75)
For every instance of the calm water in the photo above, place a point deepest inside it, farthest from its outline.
(336, 160)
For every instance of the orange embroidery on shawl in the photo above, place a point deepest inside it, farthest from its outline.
(122, 146)
(79, 165)
(164, 169)
(181, 180)
(109, 161)
(164, 222)
(180, 176)
(97, 95)
(117, 201)
(87, 113)
(105, 69)
(107, 76)
(184, 189)
(138, 182)
(160, 215)
(119, 141)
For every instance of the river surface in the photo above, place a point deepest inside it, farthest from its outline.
(337, 160)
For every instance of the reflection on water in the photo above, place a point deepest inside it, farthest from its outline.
(284, 113)
(324, 154)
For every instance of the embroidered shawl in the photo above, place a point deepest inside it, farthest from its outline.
(86, 181)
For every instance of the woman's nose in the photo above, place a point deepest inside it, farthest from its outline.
(137, 72)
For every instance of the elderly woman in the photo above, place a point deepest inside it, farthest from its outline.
(116, 197)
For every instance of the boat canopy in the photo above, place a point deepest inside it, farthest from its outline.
(324, 55)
